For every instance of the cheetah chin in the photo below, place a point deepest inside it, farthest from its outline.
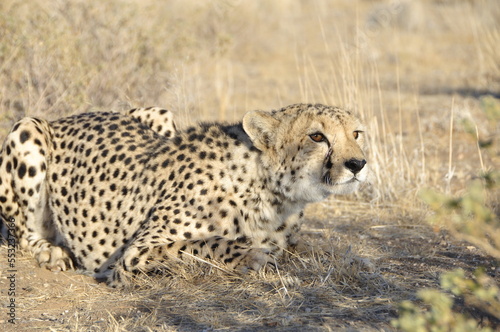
(118, 195)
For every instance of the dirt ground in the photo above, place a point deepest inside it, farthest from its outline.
(328, 288)
(418, 73)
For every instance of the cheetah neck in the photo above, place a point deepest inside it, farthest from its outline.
(271, 209)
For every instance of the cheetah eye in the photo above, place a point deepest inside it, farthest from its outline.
(356, 133)
(317, 137)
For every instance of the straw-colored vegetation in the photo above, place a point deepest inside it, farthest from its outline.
(421, 74)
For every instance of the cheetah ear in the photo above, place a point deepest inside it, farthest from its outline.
(261, 127)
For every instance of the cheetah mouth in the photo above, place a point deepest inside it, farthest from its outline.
(341, 186)
(329, 182)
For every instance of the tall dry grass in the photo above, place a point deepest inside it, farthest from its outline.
(214, 60)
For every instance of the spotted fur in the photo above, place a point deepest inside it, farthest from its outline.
(108, 194)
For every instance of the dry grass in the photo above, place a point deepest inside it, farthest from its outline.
(416, 72)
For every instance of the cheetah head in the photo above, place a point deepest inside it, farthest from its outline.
(311, 150)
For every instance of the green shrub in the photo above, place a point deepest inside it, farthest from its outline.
(479, 292)
(472, 217)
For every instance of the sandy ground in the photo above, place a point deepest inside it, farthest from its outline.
(358, 270)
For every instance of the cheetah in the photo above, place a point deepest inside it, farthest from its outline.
(107, 194)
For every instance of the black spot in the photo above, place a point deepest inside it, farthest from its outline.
(16, 126)
(143, 251)
(134, 261)
(281, 228)
(21, 172)
(32, 171)
(24, 136)
(177, 140)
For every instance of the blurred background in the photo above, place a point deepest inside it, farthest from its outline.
(403, 66)
(423, 75)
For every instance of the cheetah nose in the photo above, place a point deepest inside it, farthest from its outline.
(355, 165)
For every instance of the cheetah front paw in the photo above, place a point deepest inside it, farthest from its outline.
(54, 258)
(254, 259)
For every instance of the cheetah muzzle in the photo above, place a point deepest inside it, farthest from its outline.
(115, 195)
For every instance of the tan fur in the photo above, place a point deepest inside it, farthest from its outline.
(111, 196)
